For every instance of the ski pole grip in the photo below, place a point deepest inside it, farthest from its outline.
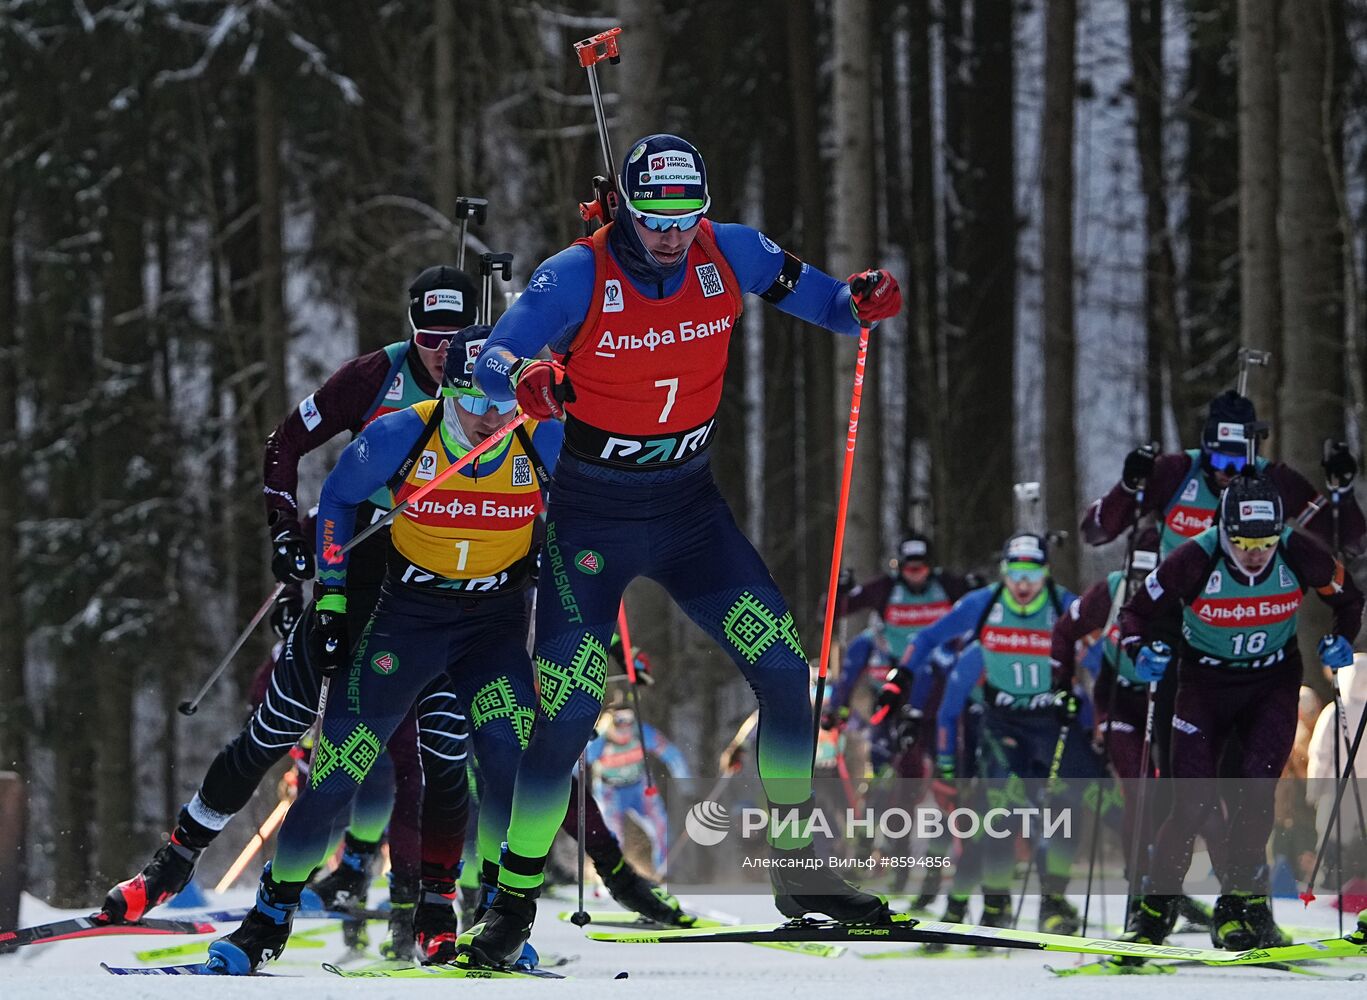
(500, 264)
(472, 208)
(603, 45)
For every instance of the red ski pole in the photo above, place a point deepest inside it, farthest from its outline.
(841, 509)
(629, 658)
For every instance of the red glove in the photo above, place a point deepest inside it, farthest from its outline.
(542, 388)
(874, 295)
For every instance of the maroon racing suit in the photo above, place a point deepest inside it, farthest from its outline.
(1219, 699)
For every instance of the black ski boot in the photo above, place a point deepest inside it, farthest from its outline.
(800, 889)
(263, 933)
(169, 871)
(498, 939)
(347, 886)
(1057, 915)
(996, 909)
(1195, 915)
(637, 893)
(1359, 936)
(930, 889)
(1242, 922)
(403, 901)
(956, 912)
(1150, 922)
(434, 927)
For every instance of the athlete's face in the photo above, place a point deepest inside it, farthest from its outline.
(479, 427)
(1024, 582)
(432, 349)
(1252, 561)
(669, 247)
(915, 574)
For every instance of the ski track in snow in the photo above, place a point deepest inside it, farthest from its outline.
(69, 970)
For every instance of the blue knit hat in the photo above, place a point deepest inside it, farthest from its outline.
(662, 173)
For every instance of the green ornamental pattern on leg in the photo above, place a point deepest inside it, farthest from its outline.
(587, 672)
(752, 628)
(496, 700)
(355, 757)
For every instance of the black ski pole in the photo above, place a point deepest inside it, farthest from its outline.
(1054, 767)
(467, 209)
(580, 917)
(191, 706)
(1145, 751)
(1308, 896)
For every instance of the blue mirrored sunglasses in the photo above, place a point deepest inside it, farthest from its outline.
(1025, 575)
(477, 404)
(664, 223)
(1222, 461)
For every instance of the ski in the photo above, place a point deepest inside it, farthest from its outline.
(450, 971)
(626, 919)
(340, 913)
(1112, 969)
(197, 969)
(299, 939)
(924, 951)
(83, 927)
(903, 928)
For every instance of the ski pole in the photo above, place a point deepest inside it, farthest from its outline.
(1308, 896)
(254, 845)
(333, 553)
(580, 917)
(856, 394)
(1249, 358)
(191, 706)
(467, 209)
(742, 734)
(1145, 749)
(1055, 766)
(629, 658)
(489, 264)
(592, 51)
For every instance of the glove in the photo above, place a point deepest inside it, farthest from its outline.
(286, 613)
(642, 665)
(1336, 652)
(291, 560)
(1138, 467)
(733, 760)
(874, 295)
(907, 728)
(889, 696)
(1152, 662)
(542, 387)
(328, 643)
(1339, 465)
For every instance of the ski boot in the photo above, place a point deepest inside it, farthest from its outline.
(262, 935)
(637, 893)
(169, 871)
(1195, 915)
(434, 927)
(930, 888)
(1150, 922)
(956, 912)
(1057, 915)
(1359, 936)
(1242, 922)
(799, 890)
(500, 936)
(402, 906)
(347, 886)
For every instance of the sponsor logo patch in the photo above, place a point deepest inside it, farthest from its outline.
(589, 561)
(427, 466)
(1233, 433)
(769, 244)
(1215, 582)
(395, 387)
(709, 280)
(612, 296)
(1190, 491)
(542, 280)
(1152, 585)
(522, 470)
(308, 411)
(1285, 577)
(443, 298)
(1257, 510)
(384, 663)
(637, 153)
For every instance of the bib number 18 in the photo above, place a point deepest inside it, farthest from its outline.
(1249, 644)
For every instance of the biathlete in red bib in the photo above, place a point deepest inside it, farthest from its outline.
(638, 319)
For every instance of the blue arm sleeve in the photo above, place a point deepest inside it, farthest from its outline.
(594, 750)
(667, 753)
(923, 681)
(851, 669)
(547, 439)
(757, 261)
(1091, 660)
(547, 313)
(961, 620)
(962, 679)
(365, 466)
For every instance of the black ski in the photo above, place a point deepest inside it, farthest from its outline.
(83, 927)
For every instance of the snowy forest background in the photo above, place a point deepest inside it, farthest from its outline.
(207, 205)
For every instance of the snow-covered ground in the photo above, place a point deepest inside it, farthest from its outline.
(71, 970)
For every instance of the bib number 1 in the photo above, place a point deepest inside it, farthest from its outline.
(672, 384)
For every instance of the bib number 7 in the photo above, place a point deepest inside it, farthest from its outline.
(672, 384)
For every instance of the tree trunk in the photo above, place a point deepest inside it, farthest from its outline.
(1166, 355)
(854, 248)
(1060, 339)
(14, 705)
(1312, 391)
(270, 209)
(982, 224)
(445, 174)
(1260, 281)
(640, 110)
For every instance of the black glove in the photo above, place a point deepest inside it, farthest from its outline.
(907, 727)
(1138, 467)
(1064, 704)
(1339, 465)
(328, 642)
(291, 559)
(286, 613)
